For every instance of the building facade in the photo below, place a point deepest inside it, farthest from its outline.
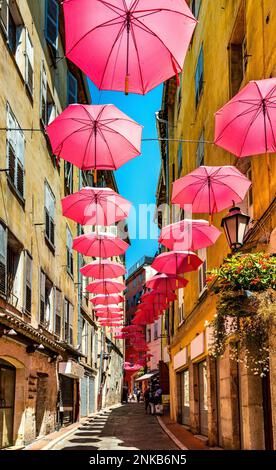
(234, 42)
(51, 348)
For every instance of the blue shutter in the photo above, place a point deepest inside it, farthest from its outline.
(199, 75)
(72, 89)
(51, 22)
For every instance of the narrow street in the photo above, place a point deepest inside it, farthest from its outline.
(124, 428)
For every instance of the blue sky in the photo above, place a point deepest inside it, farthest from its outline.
(137, 179)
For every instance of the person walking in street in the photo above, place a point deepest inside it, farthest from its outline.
(158, 400)
(138, 395)
(151, 401)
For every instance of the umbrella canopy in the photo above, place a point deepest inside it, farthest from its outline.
(101, 245)
(211, 189)
(106, 40)
(148, 297)
(95, 206)
(166, 283)
(176, 262)
(104, 299)
(103, 269)
(95, 136)
(105, 316)
(108, 308)
(189, 234)
(105, 286)
(246, 124)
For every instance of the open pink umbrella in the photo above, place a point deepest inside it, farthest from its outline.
(95, 206)
(103, 269)
(166, 282)
(148, 297)
(176, 262)
(211, 189)
(104, 299)
(105, 286)
(95, 136)
(108, 309)
(128, 45)
(189, 234)
(246, 124)
(101, 245)
(105, 316)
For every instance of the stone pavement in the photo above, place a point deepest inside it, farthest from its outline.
(126, 427)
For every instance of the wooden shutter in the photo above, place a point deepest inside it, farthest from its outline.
(51, 27)
(43, 95)
(69, 249)
(28, 282)
(71, 311)
(3, 259)
(72, 89)
(20, 149)
(58, 321)
(4, 16)
(49, 214)
(29, 63)
(202, 270)
(42, 296)
(65, 316)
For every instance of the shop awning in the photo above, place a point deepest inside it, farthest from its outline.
(146, 376)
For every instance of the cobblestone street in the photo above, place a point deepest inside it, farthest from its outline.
(124, 428)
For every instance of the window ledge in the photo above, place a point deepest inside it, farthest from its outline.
(51, 247)
(202, 294)
(16, 193)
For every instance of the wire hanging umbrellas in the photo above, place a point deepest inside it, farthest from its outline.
(246, 124)
(103, 269)
(189, 234)
(95, 206)
(210, 189)
(128, 45)
(99, 245)
(95, 136)
(176, 262)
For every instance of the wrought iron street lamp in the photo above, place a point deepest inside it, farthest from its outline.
(234, 225)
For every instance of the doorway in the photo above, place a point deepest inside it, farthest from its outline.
(41, 400)
(203, 403)
(185, 397)
(7, 393)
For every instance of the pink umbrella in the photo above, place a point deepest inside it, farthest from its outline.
(211, 189)
(148, 297)
(109, 323)
(106, 286)
(106, 40)
(176, 262)
(166, 282)
(246, 124)
(108, 308)
(103, 269)
(104, 316)
(189, 234)
(95, 136)
(104, 299)
(102, 245)
(95, 206)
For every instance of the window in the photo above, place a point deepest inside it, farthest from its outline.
(51, 23)
(95, 352)
(149, 334)
(15, 269)
(46, 300)
(200, 150)
(68, 178)
(179, 158)
(195, 7)
(47, 105)
(28, 282)
(3, 259)
(84, 338)
(69, 250)
(180, 306)
(15, 153)
(72, 89)
(199, 76)
(29, 63)
(42, 296)
(238, 56)
(155, 330)
(202, 271)
(58, 313)
(4, 15)
(68, 322)
(49, 215)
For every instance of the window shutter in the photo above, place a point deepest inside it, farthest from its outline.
(65, 317)
(29, 63)
(72, 89)
(42, 296)
(43, 95)
(202, 270)
(15, 152)
(70, 323)
(69, 246)
(3, 259)
(4, 15)
(28, 282)
(200, 150)
(20, 149)
(58, 312)
(51, 27)
(49, 214)
(95, 348)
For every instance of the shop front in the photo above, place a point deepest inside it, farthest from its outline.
(70, 374)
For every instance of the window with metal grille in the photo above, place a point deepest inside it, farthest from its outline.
(72, 89)
(199, 76)
(28, 282)
(51, 22)
(58, 312)
(69, 251)
(202, 278)
(15, 153)
(68, 178)
(3, 259)
(49, 215)
(200, 150)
